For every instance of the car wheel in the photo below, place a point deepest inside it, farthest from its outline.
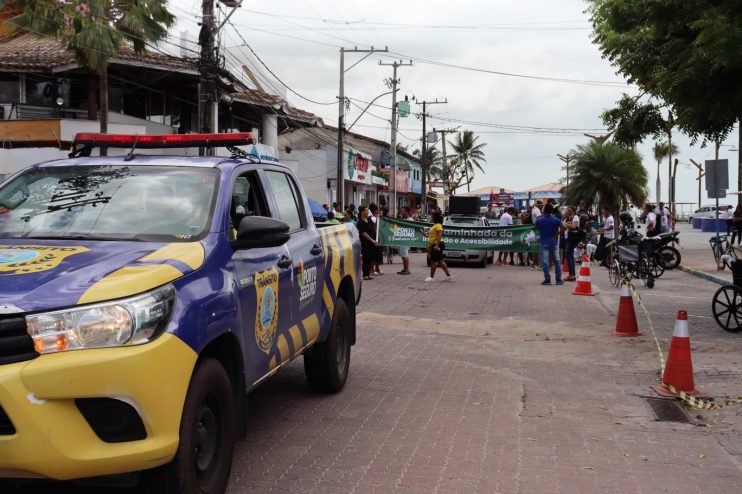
(326, 364)
(207, 433)
(483, 262)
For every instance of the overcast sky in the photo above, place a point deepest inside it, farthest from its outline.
(299, 41)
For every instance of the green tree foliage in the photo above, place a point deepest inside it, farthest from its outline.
(684, 54)
(606, 175)
(662, 150)
(432, 161)
(468, 155)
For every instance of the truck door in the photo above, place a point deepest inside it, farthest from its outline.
(263, 277)
(306, 252)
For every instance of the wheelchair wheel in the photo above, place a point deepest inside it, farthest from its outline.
(657, 265)
(727, 308)
(614, 276)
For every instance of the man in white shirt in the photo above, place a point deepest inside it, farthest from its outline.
(535, 215)
(505, 220)
(653, 228)
(609, 233)
(663, 214)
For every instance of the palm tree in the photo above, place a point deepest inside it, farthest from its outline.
(432, 161)
(606, 175)
(95, 31)
(469, 154)
(661, 151)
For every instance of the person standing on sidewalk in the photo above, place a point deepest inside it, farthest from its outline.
(728, 215)
(435, 248)
(535, 215)
(379, 251)
(368, 241)
(404, 252)
(609, 233)
(505, 220)
(549, 228)
(572, 225)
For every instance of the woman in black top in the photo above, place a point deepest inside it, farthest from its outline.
(367, 233)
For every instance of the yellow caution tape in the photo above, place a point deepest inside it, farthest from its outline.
(682, 395)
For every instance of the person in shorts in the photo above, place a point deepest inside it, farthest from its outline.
(435, 248)
(404, 252)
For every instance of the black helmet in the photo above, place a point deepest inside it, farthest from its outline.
(626, 218)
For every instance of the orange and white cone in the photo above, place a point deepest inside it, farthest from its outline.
(626, 324)
(584, 285)
(679, 368)
(565, 265)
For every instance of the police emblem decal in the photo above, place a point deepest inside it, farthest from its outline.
(266, 318)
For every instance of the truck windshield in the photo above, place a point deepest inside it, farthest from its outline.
(462, 221)
(114, 202)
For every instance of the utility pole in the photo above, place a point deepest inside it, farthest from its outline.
(446, 183)
(701, 173)
(208, 102)
(567, 160)
(393, 151)
(341, 114)
(425, 151)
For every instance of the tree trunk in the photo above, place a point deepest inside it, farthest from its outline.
(669, 167)
(103, 81)
(658, 184)
(739, 162)
(92, 96)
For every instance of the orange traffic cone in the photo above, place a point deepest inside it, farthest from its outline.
(584, 285)
(679, 368)
(626, 321)
(565, 265)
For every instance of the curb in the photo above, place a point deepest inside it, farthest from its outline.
(706, 276)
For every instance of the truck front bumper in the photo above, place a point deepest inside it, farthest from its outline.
(52, 438)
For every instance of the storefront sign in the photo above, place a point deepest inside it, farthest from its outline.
(358, 167)
(402, 233)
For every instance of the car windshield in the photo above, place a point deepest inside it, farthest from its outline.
(109, 203)
(451, 220)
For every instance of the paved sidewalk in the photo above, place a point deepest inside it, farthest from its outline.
(696, 252)
(497, 384)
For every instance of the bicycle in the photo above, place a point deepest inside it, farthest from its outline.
(726, 254)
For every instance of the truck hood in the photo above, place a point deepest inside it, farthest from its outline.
(38, 275)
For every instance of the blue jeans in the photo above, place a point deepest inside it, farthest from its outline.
(550, 251)
(570, 253)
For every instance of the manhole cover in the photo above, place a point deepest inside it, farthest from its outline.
(667, 410)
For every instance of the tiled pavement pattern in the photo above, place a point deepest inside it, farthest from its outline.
(496, 384)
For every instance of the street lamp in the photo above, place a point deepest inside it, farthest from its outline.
(567, 159)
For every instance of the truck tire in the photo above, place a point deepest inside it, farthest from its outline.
(326, 364)
(207, 433)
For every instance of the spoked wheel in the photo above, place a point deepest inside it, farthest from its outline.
(727, 308)
(657, 264)
(613, 273)
(671, 255)
(735, 253)
(644, 273)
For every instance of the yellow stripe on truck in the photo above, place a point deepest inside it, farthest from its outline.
(131, 280)
(54, 440)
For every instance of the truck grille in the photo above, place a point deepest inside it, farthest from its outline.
(6, 426)
(16, 344)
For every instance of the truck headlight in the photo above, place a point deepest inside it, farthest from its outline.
(131, 321)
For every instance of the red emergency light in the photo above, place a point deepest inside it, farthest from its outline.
(154, 141)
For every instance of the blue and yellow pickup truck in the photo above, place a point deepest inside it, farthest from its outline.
(143, 297)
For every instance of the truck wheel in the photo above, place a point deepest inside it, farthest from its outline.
(326, 364)
(207, 433)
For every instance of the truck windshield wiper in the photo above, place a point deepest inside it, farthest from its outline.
(84, 237)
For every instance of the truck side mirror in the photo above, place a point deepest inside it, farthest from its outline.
(260, 231)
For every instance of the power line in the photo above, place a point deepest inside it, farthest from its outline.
(273, 73)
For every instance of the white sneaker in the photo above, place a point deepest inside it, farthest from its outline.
(429, 278)
(448, 278)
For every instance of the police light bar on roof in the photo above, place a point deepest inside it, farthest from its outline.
(154, 141)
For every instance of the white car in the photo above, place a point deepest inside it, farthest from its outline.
(477, 257)
(708, 211)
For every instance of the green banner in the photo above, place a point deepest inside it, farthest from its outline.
(404, 233)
